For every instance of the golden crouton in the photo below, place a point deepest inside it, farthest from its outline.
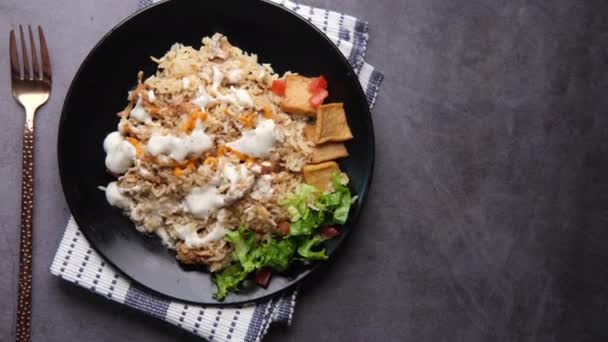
(319, 175)
(309, 132)
(329, 151)
(297, 95)
(331, 124)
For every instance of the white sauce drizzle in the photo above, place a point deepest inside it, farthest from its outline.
(262, 190)
(151, 96)
(234, 76)
(258, 142)
(185, 83)
(179, 148)
(241, 180)
(164, 236)
(201, 202)
(139, 113)
(235, 180)
(218, 76)
(192, 239)
(120, 154)
(202, 98)
(238, 97)
(115, 197)
(242, 97)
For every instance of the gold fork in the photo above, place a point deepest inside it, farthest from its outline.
(31, 90)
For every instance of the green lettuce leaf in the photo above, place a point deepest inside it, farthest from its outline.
(310, 220)
(228, 280)
(242, 240)
(298, 203)
(308, 211)
(340, 207)
(277, 254)
(305, 250)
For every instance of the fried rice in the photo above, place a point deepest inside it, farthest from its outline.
(178, 151)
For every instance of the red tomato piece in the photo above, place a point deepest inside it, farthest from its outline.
(328, 232)
(317, 83)
(262, 277)
(278, 87)
(283, 227)
(317, 98)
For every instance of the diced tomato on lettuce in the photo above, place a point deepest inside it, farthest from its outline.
(328, 232)
(262, 277)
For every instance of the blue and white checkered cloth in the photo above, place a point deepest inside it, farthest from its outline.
(76, 262)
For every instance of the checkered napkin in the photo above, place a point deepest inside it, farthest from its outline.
(76, 262)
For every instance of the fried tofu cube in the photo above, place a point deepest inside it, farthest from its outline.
(309, 132)
(319, 175)
(328, 151)
(331, 124)
(297, 95)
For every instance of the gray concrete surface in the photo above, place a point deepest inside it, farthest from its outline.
(488, 212)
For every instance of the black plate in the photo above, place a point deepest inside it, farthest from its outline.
(99, 90)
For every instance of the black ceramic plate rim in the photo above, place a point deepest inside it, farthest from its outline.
(353, 218)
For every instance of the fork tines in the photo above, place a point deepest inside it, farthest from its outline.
(23, 72)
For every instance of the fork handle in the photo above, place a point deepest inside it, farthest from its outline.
(24, 304)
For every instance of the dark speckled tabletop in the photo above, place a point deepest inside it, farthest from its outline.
(488, 215)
